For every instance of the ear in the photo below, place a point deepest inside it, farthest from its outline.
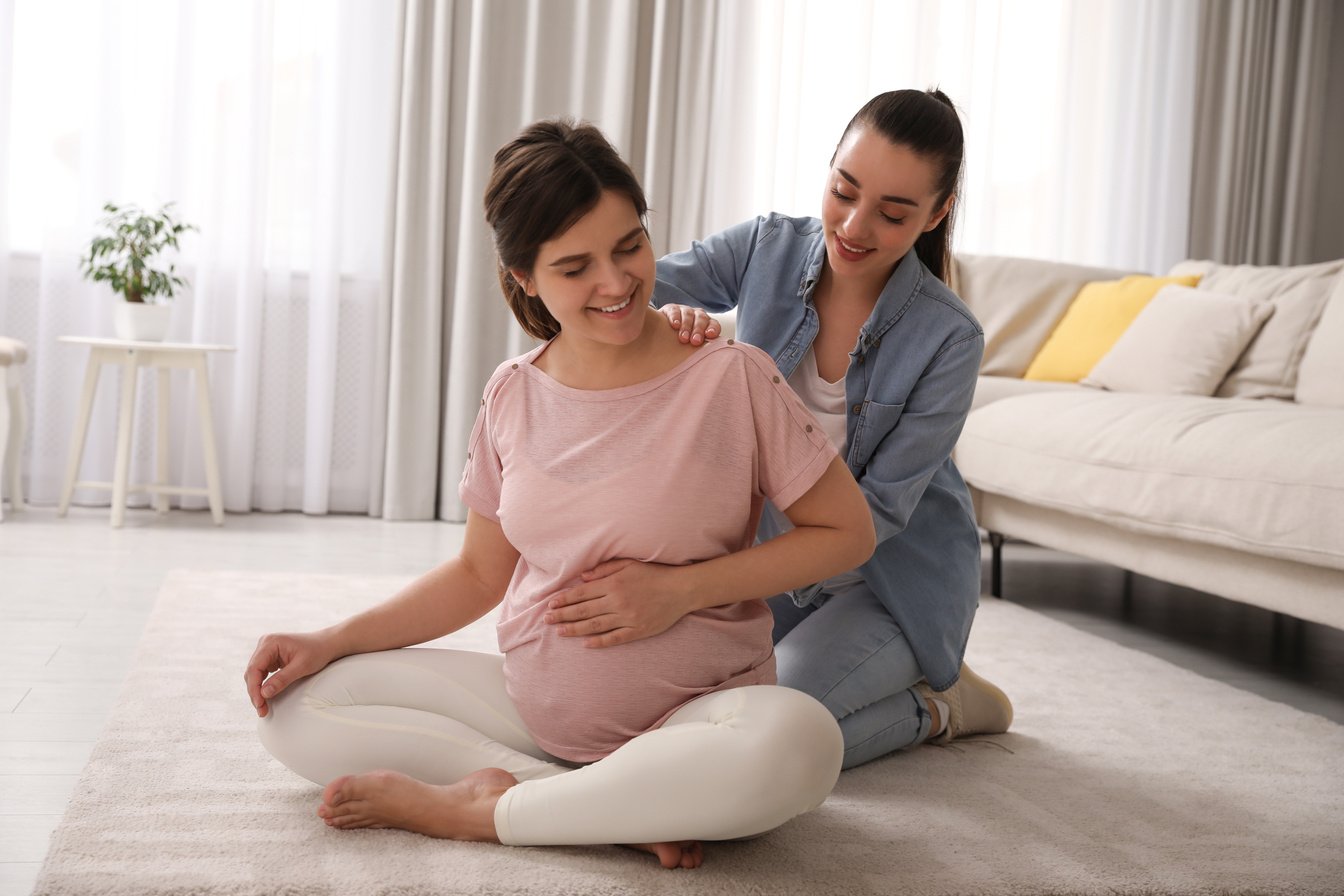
(941, 213)
(521, 278)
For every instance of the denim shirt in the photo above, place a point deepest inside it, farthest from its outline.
(908, 388)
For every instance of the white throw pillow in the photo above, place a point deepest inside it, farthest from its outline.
(1320, 379)
(1268, 368)
(1182, 343)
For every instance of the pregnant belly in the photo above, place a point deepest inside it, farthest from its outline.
(581, 703)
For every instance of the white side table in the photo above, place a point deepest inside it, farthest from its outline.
(132, 356)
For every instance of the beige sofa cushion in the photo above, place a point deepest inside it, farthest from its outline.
(1018, 301)
(1268, 368)
(995, 388)
(1183, 342)
(1320, 379)
(1162, 466)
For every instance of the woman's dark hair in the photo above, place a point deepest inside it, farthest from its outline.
(544, 180)
(926, 121)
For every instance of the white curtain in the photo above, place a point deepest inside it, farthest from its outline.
(334, 153)
(1078, 114)
(474, 72)
(1077, 117)
(267, 122)
(6, 91)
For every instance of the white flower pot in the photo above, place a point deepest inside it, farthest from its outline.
(140, 322)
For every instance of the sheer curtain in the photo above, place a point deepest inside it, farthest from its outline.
(267, 122)
(6, 92)
(473, 73)
(333, 153)
(1078, 115)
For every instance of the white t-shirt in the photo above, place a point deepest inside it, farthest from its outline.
(826, 400)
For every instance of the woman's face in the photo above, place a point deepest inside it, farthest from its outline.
(879, 198)
(597, 277)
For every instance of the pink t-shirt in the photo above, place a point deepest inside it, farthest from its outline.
(673, 470)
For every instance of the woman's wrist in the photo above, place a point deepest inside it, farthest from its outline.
(690, 588)
(339, 640)
(708, 583)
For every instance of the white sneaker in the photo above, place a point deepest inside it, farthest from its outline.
(974, 707)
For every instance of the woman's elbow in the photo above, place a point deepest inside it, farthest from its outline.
(836, 503)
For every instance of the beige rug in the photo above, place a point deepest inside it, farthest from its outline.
(1123, 775)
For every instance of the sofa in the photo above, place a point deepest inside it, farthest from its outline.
(1204, 447)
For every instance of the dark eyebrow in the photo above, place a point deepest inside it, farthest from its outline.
(584, 256)
(901, 199)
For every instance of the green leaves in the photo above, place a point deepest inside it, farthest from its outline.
(121, 253)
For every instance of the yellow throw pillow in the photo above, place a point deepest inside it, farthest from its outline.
(1100, 312)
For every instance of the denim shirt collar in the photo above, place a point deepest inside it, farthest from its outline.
(816, 259)
(895, 298)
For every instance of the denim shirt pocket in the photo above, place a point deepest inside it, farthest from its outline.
(875, 421)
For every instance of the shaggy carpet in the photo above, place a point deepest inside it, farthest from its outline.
(1123, 775)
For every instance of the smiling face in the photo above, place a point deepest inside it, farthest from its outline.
(596, 278)
(880, 196)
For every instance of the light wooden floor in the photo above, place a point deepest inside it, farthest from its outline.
(75, 594)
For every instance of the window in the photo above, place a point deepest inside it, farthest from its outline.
(261, 120)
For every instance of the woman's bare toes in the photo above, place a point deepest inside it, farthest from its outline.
(676, 854)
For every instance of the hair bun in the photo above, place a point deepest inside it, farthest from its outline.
(937, 93)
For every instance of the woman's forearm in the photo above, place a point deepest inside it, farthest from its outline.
(796, 558)
(833, 532)
(441, 601)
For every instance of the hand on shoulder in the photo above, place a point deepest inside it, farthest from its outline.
(693, 326)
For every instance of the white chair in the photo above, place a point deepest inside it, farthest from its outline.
(13, 355)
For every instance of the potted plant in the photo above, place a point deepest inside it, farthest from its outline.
(128, 239)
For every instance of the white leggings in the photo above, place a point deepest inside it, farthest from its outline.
(727, 765)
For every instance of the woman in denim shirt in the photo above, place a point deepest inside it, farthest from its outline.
(855, 311)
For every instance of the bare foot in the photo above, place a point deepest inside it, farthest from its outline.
(681, 854)
(461, 811)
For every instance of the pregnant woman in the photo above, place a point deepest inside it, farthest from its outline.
(674, 738)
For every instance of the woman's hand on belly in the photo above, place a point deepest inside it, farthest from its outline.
(621, 601)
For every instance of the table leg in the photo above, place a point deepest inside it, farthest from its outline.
(81, 432)
(161, 386)
(18, 426)
(208, 440)
(5, 451)
(121, 473)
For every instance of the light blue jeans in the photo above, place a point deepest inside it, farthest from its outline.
(847, 651)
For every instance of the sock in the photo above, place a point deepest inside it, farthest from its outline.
(944, 716)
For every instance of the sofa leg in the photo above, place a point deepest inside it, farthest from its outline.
(1288, 640)
(996, 565)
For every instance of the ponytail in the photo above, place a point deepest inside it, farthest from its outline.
(934, 247)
